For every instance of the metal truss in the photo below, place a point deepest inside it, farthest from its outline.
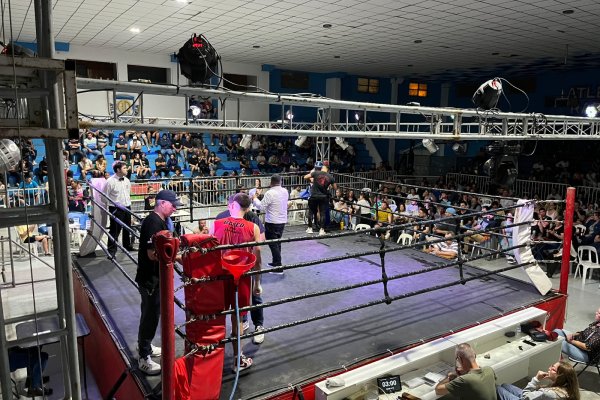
(411, 122)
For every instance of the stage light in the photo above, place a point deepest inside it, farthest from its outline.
(487, 95)
(341, 142)
(502, 167)
(195, 111)
(591, 111)
(357, 116)
(10, 155)
(300, 141)
(289, 116)
(198, 60)
(459, 148)
(246, 141)
(430, 145)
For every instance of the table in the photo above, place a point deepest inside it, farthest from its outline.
(50, 324)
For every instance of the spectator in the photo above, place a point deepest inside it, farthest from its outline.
(101, 141)
(165, 145)
(177, 147)
(26, 235)
(172, 163)
(42, 171)
(136, 143)
(90, 145)
(75, 197)
(35, 361)
(160, 165)
(560, 382)
(29, 193)
(447, 249)
(75, 152)
(121, 147)
(85, 166)
(583, 346)
(100, 166)
(193, 161)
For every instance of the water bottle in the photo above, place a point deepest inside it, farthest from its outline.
(341, 225)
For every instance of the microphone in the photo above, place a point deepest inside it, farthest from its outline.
(10, 155)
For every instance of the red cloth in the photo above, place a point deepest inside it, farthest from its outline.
(198, 376)
(236, 231)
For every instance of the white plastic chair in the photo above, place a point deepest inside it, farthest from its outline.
(588, 259)
(580, 229)
(361, 227)
(29, 247)
(405, 239)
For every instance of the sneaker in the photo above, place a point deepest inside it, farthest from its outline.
(39, 392)
(309, 230)
(260, 337)
(149, 367)
(387, 235)
(322, 232)
(156, 351)
(245, 363)
(245, 326)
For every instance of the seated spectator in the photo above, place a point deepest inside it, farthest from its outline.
(487, 222)
(559, 382)
(186, 142)
(101, 141)
(85, 166)
(177, 183)
(136, 143)
(177, 147)
(447, 249)
(30, 193)
(202, 228)
(144, 170)
(213, 162)
(274, 163)
(100, 165)
(160, 165)
(583, 346)
(150, 199)
(136, 162)
(340, 211)
(75, 197)
(244, 163)
(35, 361)
(363, 209)
(121, 147)
(230, 149)
(442, 228)
(293, 167)
(165, 145)
(172, 163)
(42, 171)
(383, 217)
(75, 151)
(26, 235)
(193, 162)
(469, 381)
(261, 162)
(285, 161)
(90, 145)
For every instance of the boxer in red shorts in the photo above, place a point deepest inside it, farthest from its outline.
(236, 230)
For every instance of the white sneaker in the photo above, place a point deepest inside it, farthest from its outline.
(245, 326)
(322, 232)
(156, 351)
(149, 367)
(387, 235)
(260, 337)
(309, 230)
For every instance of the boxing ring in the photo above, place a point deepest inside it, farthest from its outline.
(345, 300)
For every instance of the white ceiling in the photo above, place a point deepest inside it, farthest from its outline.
(374, 37)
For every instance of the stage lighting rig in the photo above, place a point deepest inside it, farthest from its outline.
(591, 110)
(487, 95)
(430, 145)
(300, 141)
(198, 60)
(503, 165)
(10, 155)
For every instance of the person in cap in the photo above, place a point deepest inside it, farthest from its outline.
(318, 202)
(487, 221)
(448, 226)
(118, 201)
(237, 230)
(147, 279)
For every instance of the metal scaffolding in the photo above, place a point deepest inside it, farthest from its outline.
(412, 122)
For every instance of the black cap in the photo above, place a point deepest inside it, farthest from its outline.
(170, 196)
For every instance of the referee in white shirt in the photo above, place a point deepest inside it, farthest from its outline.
(118, 189)
(275, 206)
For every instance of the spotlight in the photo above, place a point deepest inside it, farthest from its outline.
(198, 60)
(342, 143)
(10, 155)
(459, 148)
(487, 95)
(246, 141)
(300, 141)
(502, 167)
(289, 116)
(591, 111)
(195, 111)
(430, 145)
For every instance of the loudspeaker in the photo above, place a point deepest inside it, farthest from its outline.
(198, 60)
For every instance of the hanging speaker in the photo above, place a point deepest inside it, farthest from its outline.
(198, 59)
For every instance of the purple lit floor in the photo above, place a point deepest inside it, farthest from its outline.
(304, 352)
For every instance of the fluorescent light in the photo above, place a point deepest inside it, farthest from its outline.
(134, 30)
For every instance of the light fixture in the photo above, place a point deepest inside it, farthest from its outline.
(502, 167)
(135, 30)
(430, 145)
(591, 111)
(288, 115)
(198, 60)
(341, 142)
(487, 95)
(195, 111)
(246, 141)
(300, 141)
(10, 155)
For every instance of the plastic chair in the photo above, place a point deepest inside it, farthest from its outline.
(405, 239)
(595, 363)
(580, 229)
(361, 227)
(29, 247)
(588, 259)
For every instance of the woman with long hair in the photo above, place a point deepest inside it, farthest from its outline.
(559, 382)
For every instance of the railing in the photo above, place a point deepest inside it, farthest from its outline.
(15, 197)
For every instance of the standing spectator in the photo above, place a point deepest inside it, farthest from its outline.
(318, 201)
(275, 205)
(147, 277)
(118, 192)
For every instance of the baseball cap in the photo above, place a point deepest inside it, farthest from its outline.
(170, 196)
(451, 211)
(319, 164)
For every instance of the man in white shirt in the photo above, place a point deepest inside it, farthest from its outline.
(275, 206)
(118, 190)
